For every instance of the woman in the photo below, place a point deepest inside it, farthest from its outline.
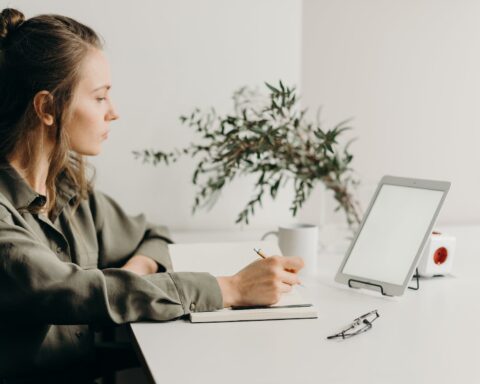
(71, 260)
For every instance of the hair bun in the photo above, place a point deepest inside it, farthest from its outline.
(10, 19)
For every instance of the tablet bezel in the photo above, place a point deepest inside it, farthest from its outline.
(390, 289)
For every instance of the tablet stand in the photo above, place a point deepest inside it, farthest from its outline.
(415, 276)
(366, 283)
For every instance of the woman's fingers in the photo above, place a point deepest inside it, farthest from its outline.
(289, 278)
(286, 267)
(292, 263)
(285, 288)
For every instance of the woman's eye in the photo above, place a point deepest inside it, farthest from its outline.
(100, 99)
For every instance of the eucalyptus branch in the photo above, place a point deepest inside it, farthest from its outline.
(271, 138)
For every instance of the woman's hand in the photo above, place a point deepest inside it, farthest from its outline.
(261, 282)
(141, 265)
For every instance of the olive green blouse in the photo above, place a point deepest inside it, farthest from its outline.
(60, 278)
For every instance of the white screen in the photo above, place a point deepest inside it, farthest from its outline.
(392, 234)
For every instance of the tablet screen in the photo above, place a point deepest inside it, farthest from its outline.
(392, 233)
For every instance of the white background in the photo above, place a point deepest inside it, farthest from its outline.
(408, 72)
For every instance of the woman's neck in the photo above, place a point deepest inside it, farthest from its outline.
(36, 176)
(33, 164)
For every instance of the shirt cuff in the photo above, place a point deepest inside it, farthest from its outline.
(198, 291)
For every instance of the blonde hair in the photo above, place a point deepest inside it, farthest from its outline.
(45, 52)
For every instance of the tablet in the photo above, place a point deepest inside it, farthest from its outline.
(389, 242)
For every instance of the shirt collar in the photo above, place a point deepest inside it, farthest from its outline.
(22, 196)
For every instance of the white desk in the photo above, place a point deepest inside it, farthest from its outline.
(426, 336)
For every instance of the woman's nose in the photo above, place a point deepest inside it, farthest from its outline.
(113, 116)
(112, 113)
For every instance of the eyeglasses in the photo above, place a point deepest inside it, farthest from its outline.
(359, 325)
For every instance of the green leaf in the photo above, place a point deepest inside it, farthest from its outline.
(271, 139)
(272, 88)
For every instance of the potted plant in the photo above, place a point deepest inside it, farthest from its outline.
(271, 138)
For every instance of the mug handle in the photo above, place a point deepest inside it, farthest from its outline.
(268, 234)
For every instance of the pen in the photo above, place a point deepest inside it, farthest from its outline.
(259, 252)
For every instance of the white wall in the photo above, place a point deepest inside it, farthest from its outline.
(168, 57)
(408, 72)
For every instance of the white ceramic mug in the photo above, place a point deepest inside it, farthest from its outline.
(299, 240)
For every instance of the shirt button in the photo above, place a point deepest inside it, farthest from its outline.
(41, 200)
(192, 307)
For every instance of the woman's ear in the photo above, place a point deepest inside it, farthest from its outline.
(43, 107)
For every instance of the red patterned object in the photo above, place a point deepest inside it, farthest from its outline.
(437, 258)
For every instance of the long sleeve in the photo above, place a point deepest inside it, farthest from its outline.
(59, 277)
(36, 286)
(120, 235)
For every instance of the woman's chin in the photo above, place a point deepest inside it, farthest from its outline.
(89, 151)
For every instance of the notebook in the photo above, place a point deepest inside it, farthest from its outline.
(222, 259)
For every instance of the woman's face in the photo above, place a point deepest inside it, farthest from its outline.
(92, 109)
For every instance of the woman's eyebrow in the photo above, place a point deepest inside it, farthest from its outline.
(107, 86)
